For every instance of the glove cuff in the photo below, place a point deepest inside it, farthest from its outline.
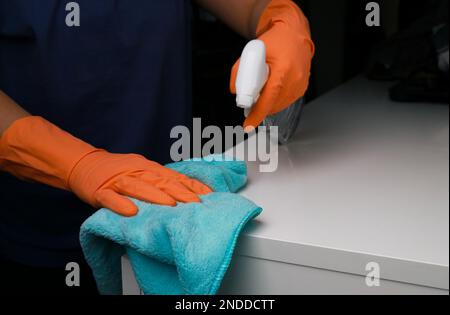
(34, 149)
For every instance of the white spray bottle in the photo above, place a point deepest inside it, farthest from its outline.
(251, 77)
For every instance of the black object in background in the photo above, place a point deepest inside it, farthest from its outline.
(417, 55)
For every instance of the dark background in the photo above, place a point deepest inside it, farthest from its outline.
(344, 45)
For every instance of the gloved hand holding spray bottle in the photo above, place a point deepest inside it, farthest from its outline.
(251, 77)
(271, 77)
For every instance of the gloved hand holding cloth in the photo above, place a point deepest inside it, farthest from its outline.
(289, 49)
(34, 149)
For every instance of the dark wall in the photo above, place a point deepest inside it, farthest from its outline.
(215, 49)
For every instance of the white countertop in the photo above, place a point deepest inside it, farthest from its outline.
(364, 179)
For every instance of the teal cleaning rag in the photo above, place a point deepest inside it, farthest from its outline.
(184, 249)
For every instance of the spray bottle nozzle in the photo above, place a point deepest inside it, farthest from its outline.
(244, 101)
(252, 74)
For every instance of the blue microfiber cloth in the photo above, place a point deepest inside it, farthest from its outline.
(184, 249)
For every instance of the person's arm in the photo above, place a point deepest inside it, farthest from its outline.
(284, 29)
(10, 111)
(240, 15)
(34, 149)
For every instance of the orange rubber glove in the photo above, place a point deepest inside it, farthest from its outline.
(289, 51)
(34, 149)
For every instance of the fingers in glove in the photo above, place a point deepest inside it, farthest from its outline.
(195, 186)
(139, 189)
(264, 105)
(109, 199)
(171, 187)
